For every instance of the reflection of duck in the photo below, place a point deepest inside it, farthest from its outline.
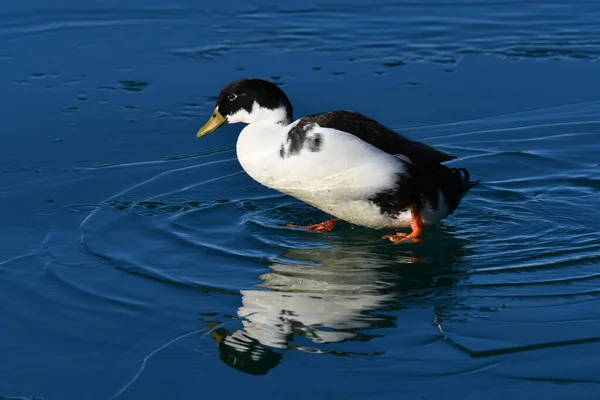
(341, 162)
(331, 302)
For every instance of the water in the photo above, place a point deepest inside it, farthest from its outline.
(138, 262)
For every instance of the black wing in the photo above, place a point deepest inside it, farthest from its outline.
(379, 136)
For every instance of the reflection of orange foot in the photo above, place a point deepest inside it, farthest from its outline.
(326, 226)
(417, 229)
(416, 260)
(398, 238)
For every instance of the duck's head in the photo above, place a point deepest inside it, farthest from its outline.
(249, 101)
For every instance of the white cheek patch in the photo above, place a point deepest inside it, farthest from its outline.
(239, 116)
(258, 114)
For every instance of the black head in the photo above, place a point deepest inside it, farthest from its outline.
(249, 100)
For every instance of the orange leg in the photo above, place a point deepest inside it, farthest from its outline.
(326, 226)
(416, 225)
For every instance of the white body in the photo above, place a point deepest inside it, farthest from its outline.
(338, 179)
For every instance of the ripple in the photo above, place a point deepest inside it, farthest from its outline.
(84, 208)
(50, 20)
(442, 37)
(540, 243)
(47, 211)
(502, 274)
(513, 272)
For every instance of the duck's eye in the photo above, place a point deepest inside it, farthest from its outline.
(231, 96)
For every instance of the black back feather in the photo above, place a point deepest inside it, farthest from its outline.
(379, 136)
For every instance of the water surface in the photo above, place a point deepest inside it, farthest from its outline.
(138, 262)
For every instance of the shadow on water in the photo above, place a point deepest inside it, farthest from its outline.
(314, 299)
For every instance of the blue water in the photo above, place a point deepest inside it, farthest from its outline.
(138, 262)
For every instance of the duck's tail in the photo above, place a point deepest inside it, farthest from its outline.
(454, 184)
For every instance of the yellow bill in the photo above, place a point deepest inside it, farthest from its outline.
(215, 121)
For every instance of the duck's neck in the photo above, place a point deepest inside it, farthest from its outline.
(259, 146)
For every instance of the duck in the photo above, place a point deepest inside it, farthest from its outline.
(341, 162)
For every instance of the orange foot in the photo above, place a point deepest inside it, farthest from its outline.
(326, 226)
(417, 229)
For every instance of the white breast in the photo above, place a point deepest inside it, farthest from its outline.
(338, 178)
